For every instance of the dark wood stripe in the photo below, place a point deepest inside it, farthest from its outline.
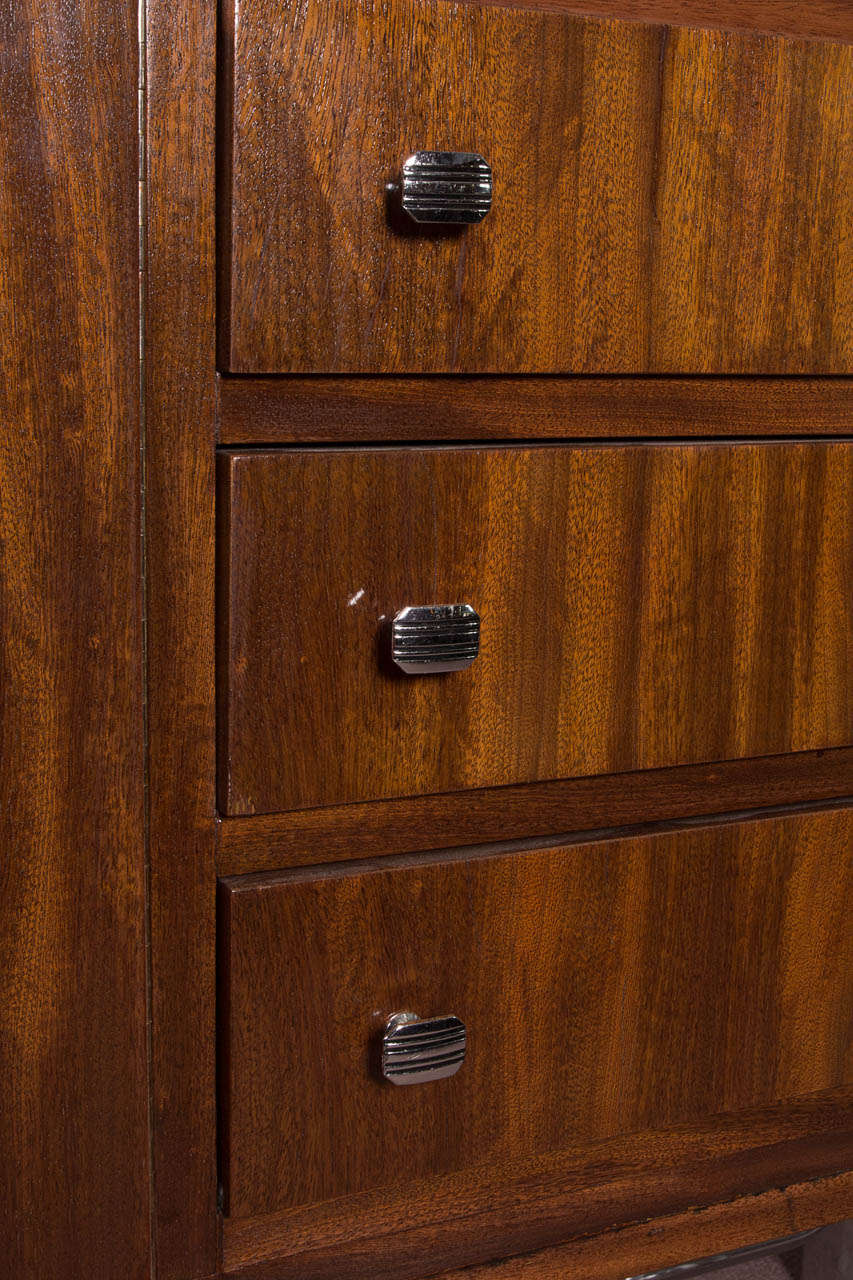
(424, 823)
(322, 410)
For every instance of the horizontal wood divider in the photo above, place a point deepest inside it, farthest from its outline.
(289, 410)
(471, 1218)
(643, 1247)
(339, 833)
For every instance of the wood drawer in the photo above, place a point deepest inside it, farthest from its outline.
(665, 199)
(607, 987)
(642, 606)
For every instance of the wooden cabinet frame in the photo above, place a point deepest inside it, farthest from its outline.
(111, 839)
(189, 408)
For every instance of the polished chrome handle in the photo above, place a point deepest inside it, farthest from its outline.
(446, 186)
(428, 639)
(416, 1050)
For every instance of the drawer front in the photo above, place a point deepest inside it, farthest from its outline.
(640, 607)
(664, 199)
(606, 988)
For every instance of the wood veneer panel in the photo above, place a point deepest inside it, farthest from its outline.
(347, 832)
(656, 1187)
(643, 606)
(74, 1175)
(608, 987)
(285, 410)
(820, 19)
(180, 404)
(667, 200)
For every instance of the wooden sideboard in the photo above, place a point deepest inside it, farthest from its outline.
(251, 411)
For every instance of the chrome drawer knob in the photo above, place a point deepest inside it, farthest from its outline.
(446, 186)
(428, 639)
(416, 1050)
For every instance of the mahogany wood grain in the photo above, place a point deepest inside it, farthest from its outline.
(256, 411)
(642, 607)
(180, 406)
(74, 1176)
(666, 200)
(820, 19)
(608, 987)
(381, 1236)
(347, 832)
(645, 1247)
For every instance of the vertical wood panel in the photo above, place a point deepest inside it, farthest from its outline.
(74, 1183)
(180, 584)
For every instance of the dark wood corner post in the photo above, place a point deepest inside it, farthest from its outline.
(74, 1140)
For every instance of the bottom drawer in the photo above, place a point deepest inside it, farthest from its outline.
(607, 986)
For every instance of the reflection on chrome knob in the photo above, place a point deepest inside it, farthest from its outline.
(416, 1050)
(429, 639)
(446, 186)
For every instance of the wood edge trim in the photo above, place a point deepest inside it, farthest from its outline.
(531, 811)
(223, 482)
(179, 386)
(250, 883)
(293, 409)
(223, 1055)
(744, 1145)
(665, 1242)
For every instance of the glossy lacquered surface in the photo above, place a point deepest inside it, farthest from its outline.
(665, 199)
(108, 1021)
(641, 607)
(74, 1172)
(609, 987)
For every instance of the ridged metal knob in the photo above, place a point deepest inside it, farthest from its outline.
(416, 1050)
(429, 639)
(447, 186)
